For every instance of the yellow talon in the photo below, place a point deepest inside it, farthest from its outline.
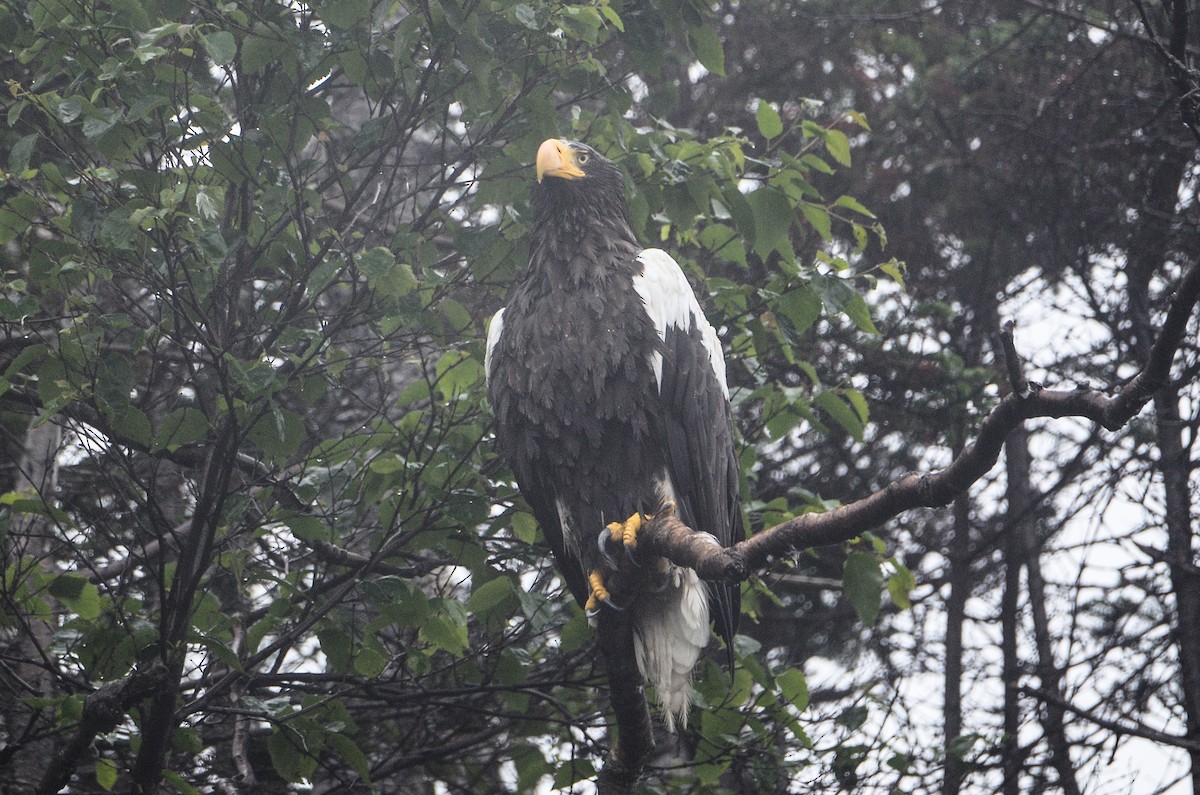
(599, 592)
(630, 530)
(627, 532)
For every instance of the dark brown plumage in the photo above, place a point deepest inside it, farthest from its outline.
(608, 388)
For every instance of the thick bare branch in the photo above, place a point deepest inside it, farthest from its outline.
(668, 537)
(102, 711)
(635, 737)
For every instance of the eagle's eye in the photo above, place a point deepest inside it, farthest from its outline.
(582, 158)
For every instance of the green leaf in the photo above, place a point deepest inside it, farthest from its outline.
(529, 17)
(575, 633)
(895, 270)
(16, 216)
(818, 216)
(794, 687)
(840, 411)
(180, 427)
(862, 580)
(279, 433)
(707, 47)
(387, 464)
(347, 749)
(858, 403)
(802, 306)
(260, 50)
(961, 746)
(220, 46)
(491, 595)
(860, 237)
(68, 110)
(18, 156)
(612, 16)
(457, 372)
(841, 298)
(370, 661)
(838, 146)
(20, 502)
(857, 310)
(219, 649)
(177, 781)
(106, 774)
(851, 203)
(769, 123)
(385, 275)
(345, 14)
(859, 118)
(773, 216)
(441, 632)
(817, 164)
(337, 647)
(853, 716)
(583, 21)
(79, 595)
(288, 751)
(900, 584)
(308, 528)
(524, 527)
(101, 121)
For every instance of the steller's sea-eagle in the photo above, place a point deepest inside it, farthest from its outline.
(608, 387)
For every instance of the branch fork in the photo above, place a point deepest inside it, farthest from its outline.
(667, 536)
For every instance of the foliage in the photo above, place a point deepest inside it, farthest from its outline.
(1027, 162)
(248, 248)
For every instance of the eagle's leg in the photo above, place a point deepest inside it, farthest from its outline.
(622, 534)
(597, 592)
(626, 533)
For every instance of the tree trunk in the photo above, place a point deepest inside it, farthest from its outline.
(1181, 555)
(635, 734)
(1010, 621)
(30, 541)
(1023, 526)
(956, 606)
(1149, 251)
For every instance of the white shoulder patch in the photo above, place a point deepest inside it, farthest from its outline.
(669, 301)
(495, 327)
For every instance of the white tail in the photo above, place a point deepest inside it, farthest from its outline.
(671, 632)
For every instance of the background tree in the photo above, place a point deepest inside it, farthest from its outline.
(254, 534)
(1034, 163)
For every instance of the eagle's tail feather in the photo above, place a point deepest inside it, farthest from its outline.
(672, 630)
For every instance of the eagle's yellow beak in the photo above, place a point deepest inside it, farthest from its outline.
(556, 158)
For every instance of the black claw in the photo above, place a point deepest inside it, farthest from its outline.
(609, 603)
(602, 542)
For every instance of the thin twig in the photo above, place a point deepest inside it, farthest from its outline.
(1116, 727)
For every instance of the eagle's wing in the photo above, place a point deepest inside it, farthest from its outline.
(701, 461)
(539, 493)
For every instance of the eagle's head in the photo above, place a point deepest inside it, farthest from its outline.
(577, 185)
(560, 159)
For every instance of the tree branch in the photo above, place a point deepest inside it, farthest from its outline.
(103, 710)
(1115, 726)
(635, 736)
(668, 537)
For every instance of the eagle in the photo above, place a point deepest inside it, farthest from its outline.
(610, 400)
